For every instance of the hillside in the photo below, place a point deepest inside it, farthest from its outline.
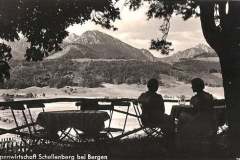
(200, 51)
(197, 66)
(58, 73)
(76, 51)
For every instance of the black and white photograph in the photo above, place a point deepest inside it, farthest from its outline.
(119, 79)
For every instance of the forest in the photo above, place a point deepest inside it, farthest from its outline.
(65, 72)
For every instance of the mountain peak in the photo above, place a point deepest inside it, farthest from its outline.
(200, 50)
(93, 32)
(72, 37)
(204, 47)
(102, 45)
(94, 37)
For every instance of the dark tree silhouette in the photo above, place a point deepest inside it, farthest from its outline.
(5, 52)
(4, 71)
(221, 28)
(44, 22)
(5, 56)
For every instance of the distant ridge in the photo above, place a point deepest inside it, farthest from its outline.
(199, 51)
(91, 44)
(98, 45)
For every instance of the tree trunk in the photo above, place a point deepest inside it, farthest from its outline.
(224, 39)
(230, 65)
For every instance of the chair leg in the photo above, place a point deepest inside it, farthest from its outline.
(110, 120)
(26, 121)
(128, 133)
(137, 112)
(35, 130)
(14, 117)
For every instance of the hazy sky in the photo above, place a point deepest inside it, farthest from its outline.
(136, 30)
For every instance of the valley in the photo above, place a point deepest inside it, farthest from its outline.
(95, 58)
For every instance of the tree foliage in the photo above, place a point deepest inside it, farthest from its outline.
(165, 9)
(44, 22)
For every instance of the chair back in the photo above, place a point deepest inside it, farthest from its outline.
(19, 107)
(34, 105)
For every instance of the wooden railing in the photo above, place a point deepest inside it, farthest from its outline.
(13, 146)
(54, 100)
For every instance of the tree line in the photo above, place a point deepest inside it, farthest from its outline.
(63, 72)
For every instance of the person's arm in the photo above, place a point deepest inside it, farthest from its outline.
(162, 104)
(140, 98)
(191, 102)
(212, 100)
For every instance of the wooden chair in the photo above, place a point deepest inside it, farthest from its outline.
(20, 127)
(136, 115)
(24, 129)
(35, 135)
(36, 129)
(152, 130)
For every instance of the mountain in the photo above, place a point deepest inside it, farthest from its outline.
(91, 44)
(72, 37)
(98, 45)
(149, 55)
(200, 51)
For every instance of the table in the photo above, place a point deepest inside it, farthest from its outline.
(89, 122)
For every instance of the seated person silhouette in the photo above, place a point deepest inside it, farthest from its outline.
(202, 124)
(153, 109)
(202, 101)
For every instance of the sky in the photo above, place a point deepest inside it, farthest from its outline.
(136, 30)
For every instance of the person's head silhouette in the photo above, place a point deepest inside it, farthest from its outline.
(197, 85)
(153, 85)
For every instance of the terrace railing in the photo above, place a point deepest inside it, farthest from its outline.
(11, 146)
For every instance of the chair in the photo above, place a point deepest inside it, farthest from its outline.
(38, 135)
(20, 129)
(37, 130)
(20, 107)
(152, 130)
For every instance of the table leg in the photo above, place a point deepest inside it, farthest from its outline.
(52, 134)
